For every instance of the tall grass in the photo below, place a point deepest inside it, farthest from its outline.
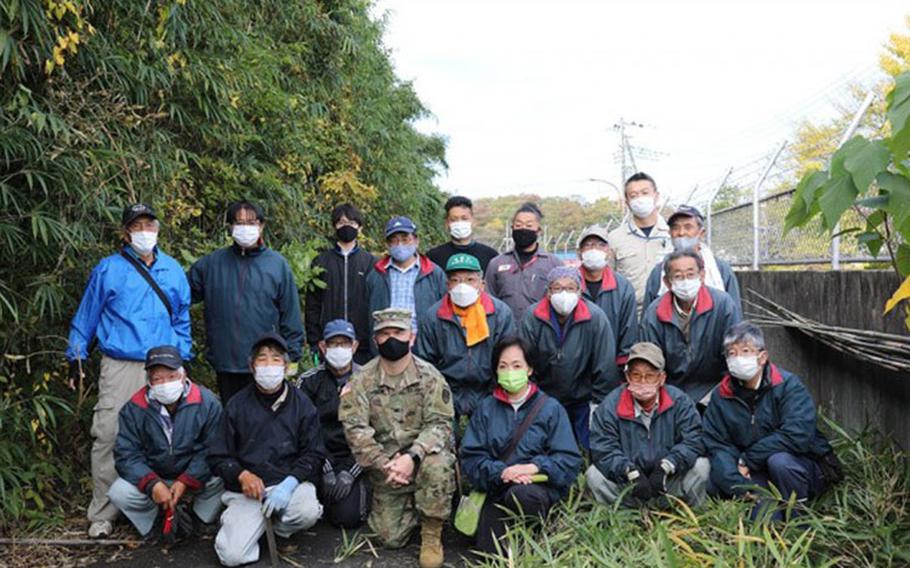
(862, 522)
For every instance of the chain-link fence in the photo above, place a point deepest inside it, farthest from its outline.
(731, 236)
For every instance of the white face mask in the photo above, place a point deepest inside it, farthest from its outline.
(460, 229)
(268, 377)
(642, 206)
(464, 295)
(339, 357)
(564, 302)
(743, 368)
(594, 259)
(245, 235)
(143, 242)
(167, 393)
(686, 290)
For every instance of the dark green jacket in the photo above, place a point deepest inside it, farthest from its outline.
(581, 367)
(621, 442)
(697, 365)
(442, 342)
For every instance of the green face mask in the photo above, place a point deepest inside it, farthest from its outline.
(513, 380)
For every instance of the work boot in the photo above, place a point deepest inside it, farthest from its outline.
(100, 529)
(431, 543)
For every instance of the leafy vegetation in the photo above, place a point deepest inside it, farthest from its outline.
(863, 522)
(187, 104)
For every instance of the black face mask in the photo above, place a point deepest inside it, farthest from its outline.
(346, 234)
(394, 349)
(524, 238)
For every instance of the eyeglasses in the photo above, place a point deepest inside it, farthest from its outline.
(643, 378)
(558, 289)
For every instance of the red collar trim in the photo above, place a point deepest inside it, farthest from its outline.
(703, 304)
(140, 398)
(725, 389)
(500, 394)
(542, 311)
(607, 282)
(426, 265)
(446, 309)
(625, 407)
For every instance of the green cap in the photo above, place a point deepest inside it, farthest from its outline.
(462, 261)
(392, 317)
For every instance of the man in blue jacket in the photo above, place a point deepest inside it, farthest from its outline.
(269, 454)
(760, 427)
(647, 436)
(573, 349)
(457, 333)
(404, 278)
(688, 323)
(608, 289)
(248, 289)
(165, 431)
(687, 229)
(135, 300)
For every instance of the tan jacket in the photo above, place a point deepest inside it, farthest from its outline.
(636, 254)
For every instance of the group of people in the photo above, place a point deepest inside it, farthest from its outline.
(504, 368)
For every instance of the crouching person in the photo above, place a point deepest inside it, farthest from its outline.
(160, 451)
(519, 448)
(269, 454)
(344, 490)
(397, 416)
(647, 436)
(760, 427)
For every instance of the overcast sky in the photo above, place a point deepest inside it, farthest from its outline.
(526, 92)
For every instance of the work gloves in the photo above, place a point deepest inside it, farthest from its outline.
(279, 496)
(336, 486)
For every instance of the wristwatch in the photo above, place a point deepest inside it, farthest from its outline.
(415, 457)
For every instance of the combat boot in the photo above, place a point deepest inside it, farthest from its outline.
(431, 543)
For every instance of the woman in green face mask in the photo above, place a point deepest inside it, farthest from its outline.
(530, 475)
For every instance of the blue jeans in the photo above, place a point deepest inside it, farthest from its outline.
(580, 417)
(791, 474)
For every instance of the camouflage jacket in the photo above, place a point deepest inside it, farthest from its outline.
(383, 415)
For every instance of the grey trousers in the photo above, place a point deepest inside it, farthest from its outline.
(142, 511)
(242, 523)
(689, 487)
(117, 383)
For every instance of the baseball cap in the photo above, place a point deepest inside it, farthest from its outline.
(399, 225)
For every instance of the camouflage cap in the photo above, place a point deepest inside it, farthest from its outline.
(648, 352)
(392, 317)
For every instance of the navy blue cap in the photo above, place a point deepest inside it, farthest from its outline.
(399, 225)
(133, 212)
(686, 211)
(165, 355)
(338, 327)
(269, 337)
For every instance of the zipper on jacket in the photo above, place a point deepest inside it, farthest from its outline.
(346, 287)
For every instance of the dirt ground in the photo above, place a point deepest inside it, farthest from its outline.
(316, 547)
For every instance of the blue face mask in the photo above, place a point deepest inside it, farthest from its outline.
(402, 252)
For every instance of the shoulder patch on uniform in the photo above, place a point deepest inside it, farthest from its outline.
(503, 267)
(446, 394)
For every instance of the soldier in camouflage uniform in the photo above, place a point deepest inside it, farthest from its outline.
(397, 416)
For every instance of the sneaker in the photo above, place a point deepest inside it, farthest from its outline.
(100, 529)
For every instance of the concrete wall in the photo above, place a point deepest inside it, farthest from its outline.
(853, 392)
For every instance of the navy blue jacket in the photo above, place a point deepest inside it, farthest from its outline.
(782, 419)
(142, 453)
(246, 294)
(731, 284)
(696, 365)
(271, 444)
(621, 442)
(442, 342)
(581, 367)
(429, 288)
(323, 389)
(549, 443)
(616, 298)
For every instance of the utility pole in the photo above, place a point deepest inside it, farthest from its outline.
(627, 153)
